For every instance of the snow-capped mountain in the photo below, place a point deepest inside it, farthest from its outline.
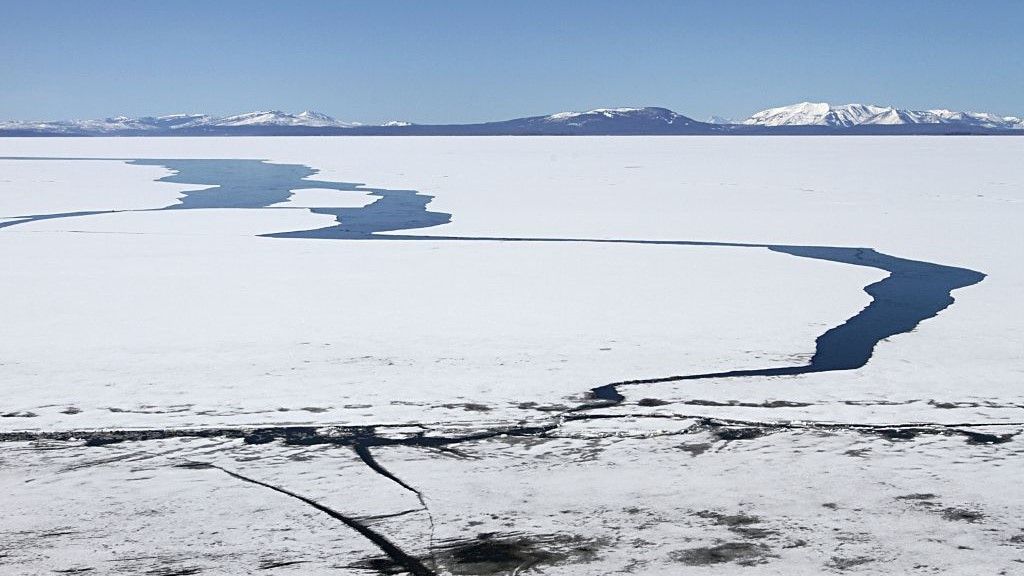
(630, 115)
(278, 118)
(184, 123)
(648, 120)
(609, 113)
(849, 115)
(108, 125)
(815, 114)
(804, 118)
(974, 118)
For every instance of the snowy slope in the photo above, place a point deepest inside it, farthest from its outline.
(815, 114)
(649, 114)
(277, 118)
(847, 115)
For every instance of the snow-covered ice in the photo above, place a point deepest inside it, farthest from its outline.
(170, 321)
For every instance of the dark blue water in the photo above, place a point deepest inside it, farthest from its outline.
(255, 184)
(913, 292)
(238, 183)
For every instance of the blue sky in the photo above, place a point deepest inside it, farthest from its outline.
(466, 61)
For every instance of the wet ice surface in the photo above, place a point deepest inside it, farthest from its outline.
(628, 495)
(464, 367)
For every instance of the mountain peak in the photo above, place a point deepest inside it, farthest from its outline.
(816, 114)
(714, 119)
(279, 118)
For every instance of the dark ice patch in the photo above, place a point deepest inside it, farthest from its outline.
(491, 553)
(742, 553)
(956, 514)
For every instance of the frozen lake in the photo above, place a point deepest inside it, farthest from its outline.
(424, 319)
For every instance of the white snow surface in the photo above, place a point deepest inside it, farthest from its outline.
(189, 318)
(326, 198)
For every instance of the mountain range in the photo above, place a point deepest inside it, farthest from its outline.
(849, 115)
(803, 118)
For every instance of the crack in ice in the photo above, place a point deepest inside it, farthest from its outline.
(399, 556)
